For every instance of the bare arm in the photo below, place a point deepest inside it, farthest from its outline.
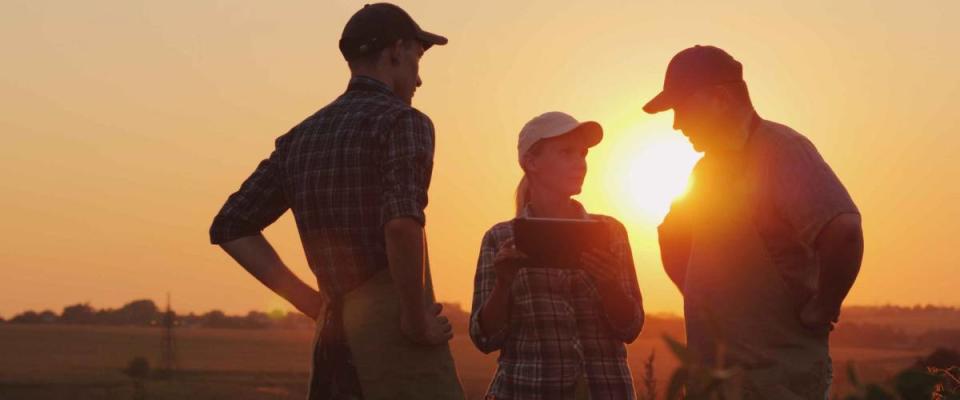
(406, 258)
(257, 256)
(405, 250)
(811, 199)
(675, 238)
(675, 253)
(840, 249)
(675, 233)
(237, 229)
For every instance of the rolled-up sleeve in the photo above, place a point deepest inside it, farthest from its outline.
(483, 283)
(628, 280)
(806, 192)
(407, 167)
(257, 204)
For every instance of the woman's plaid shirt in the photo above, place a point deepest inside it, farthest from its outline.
(558, 332)
(345, 171)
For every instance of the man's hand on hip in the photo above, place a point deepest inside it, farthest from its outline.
(818, 316)
(429, 328)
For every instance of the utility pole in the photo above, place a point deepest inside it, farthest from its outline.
(168, 355)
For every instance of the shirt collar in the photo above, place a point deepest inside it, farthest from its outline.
(366, 83)
(581, 212)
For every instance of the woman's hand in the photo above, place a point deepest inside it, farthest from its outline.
(624, 309)
(603, 267)
(507, 262)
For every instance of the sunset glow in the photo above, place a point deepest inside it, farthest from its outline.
(128, 123)
(645, 168)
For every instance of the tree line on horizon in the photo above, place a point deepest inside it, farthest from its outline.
(879, 327)
(144, 312)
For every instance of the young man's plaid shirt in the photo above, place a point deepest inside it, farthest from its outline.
(345, 171)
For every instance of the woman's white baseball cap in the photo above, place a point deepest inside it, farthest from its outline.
(553, 124)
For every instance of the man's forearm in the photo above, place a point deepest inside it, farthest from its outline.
(257, 256)
(406, 258)
(675, 253)
(676, 271)
(840, 249)
(675, 237)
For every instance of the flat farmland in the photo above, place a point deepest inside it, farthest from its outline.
(86, 362)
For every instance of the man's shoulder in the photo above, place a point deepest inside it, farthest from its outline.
(776, 142)
(418, 115)
(365, 105)
(775, 134)
(413, 118)
(377, 108)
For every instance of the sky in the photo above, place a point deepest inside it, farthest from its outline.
(126, 124)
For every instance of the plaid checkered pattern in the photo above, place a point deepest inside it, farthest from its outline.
(345, 171)
(558, 332)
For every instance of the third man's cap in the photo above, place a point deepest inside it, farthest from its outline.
(691, 69)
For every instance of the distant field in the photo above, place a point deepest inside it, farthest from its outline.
(911, 322)
(85, 362)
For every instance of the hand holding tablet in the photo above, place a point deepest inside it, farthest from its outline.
(558, 243)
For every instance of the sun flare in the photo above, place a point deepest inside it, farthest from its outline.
(641, 170)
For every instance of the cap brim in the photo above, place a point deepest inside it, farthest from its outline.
(590, 131)
(431, 38)
(662, 102)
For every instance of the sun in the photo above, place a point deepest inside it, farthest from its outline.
(638, 171)
(658, 174)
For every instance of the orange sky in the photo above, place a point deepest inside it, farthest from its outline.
(127, 123)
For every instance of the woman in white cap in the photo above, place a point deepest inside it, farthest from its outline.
(560, 332)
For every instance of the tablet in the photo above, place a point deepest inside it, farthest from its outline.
(558, 243)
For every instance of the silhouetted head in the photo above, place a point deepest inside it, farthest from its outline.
(552, 151)
(383, 42)
(704, 86)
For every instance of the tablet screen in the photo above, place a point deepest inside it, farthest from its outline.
(558, 243)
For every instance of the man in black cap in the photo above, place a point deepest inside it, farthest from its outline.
(356, 175)
(766, 244)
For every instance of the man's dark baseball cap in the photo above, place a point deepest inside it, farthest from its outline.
(379, 25)
(692, 69)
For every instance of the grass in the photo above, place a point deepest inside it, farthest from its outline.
(86, 362)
